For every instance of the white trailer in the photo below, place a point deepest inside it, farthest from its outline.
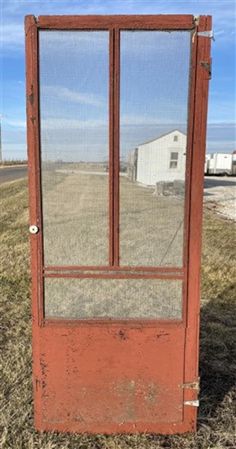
(219, 164)
(234, 163)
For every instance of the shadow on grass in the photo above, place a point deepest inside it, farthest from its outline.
(217, 351)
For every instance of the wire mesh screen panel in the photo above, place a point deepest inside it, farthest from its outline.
(113, 298)
(155, 69)
(74, 70)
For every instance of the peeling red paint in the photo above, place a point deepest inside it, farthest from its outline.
(106, 376)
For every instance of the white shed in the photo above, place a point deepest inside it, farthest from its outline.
(161, 159)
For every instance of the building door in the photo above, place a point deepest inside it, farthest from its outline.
(115, 262)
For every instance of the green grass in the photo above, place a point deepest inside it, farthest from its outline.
(216, 425)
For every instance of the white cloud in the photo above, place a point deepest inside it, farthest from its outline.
(64, 93)
(63, 123)
(139, 120)
(11, 36)
(126, 120)
(221, 125)
(13, 13)
(16, 123)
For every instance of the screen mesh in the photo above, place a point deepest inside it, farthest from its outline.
(74, 70)
(114, 298)
(154, 100)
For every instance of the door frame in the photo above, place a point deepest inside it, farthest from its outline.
(196, 138)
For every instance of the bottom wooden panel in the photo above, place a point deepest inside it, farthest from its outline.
(111, 379)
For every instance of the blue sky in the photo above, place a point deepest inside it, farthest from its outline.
(92, 103)
(74, 102)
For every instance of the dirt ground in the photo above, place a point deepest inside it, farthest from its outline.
(220, 195)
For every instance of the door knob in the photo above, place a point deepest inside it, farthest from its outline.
(33, 229)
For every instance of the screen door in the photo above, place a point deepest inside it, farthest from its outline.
(116, 110)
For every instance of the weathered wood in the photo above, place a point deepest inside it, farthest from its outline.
(162, 22)
(76, 360)
(196, 208)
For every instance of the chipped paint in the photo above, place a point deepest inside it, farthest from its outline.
(30, 97)
(122, 335)
(126, 376)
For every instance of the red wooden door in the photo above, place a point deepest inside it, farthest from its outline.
(116, 113)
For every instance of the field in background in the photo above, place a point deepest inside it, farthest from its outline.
(6, 163)
(75, 204)
(76, 232)
(216, 425)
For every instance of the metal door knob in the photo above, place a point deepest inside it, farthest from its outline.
(33, 229)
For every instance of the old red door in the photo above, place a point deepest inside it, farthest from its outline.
(116, 113)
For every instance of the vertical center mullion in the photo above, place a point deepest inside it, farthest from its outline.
(116, 144)
(111, 148)
(114, 135)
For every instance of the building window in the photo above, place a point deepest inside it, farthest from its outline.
(174, 160)
(175, 138)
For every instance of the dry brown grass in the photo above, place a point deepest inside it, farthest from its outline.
(8, 163)
(216, 425)
(76, 221)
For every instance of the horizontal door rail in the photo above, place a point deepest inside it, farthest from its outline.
(135, 323)
(114, 275)
(113, 268)
(161, 22)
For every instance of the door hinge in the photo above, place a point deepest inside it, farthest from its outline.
(194, 403)
(191, 385)
(209, 34)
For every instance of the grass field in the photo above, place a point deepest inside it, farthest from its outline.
(75, 204)
(216, 424)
